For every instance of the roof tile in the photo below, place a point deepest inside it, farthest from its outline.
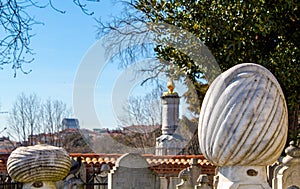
(161, 164)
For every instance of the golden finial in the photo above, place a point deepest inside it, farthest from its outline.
(171, 86)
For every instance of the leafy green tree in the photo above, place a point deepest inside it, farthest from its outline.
(238, 31)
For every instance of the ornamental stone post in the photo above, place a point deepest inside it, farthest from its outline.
(287, 174)
(243, 126)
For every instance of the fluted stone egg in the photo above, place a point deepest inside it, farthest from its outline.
(243, 118)
(38, 163)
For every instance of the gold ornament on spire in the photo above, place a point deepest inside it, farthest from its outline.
(171, 86)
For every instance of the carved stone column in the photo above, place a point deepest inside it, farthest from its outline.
(243, 125)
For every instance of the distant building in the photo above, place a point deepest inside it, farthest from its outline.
(101, 130)
(70, 123)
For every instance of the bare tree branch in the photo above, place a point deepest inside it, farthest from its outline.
(143, 110)
(16, 25)
(29, 116)
(83, 7)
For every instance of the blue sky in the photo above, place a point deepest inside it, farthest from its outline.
(59, 44)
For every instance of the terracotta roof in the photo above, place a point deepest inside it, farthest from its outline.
(162, 165)
(151, 159)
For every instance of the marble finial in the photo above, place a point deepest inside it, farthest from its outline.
(243, 119)
(38, 163)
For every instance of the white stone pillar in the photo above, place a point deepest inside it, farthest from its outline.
(169, 143)
(243, 125)
(170, 113)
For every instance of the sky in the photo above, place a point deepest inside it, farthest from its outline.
(71, 65)
(59, 45)
(66, 46)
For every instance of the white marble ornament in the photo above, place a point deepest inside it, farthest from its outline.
(243, 119)
(38, 163)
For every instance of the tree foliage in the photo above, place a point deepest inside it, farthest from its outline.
(267, 33)
(76, 143)
(139, 140)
